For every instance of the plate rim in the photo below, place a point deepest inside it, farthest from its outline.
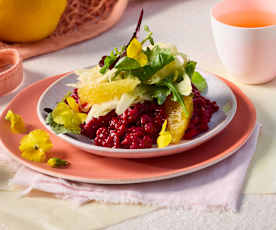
(122, 181)
(169, 175)
(140, 153)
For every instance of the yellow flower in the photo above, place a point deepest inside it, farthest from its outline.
(82, 116)
(56, 162)
(63, 114)
(72, 104)
(135, 51)
(35, 145)
(165, 137)
(17, 123)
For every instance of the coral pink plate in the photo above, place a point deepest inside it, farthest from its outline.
(86, 167)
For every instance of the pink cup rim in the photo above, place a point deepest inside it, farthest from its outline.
(211, 12)
(13, 56)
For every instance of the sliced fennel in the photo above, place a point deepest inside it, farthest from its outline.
(185, 86)
(102, 109)
(92, 76)
(120, 105)
(125, 101)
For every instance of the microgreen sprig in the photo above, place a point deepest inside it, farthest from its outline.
(148, 37)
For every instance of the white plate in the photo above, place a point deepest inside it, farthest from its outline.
(217, 91)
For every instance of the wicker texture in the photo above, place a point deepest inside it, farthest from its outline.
(79, 12)
(82, 20)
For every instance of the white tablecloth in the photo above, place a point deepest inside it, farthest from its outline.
(186, 24)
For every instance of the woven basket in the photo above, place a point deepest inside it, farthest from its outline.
(82, 20)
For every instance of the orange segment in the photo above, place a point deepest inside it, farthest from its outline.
(102, 92)
(177, 121)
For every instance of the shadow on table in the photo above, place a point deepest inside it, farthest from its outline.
(265, 140)
(269, 85)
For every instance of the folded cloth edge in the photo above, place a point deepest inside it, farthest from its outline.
(99, 193)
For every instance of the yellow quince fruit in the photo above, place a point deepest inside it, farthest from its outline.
(29, 20)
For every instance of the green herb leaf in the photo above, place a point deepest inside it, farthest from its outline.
(158, 58)
(161, 94)
(107, 62)
(199, 82)
(190, 68)
(151, 41)
(148, 52)
(147, 29)
(57, 128)
(149, 36)
(177, 96)
(127, 63)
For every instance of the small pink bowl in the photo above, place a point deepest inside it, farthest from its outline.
(11, 70)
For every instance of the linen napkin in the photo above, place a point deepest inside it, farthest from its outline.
(216, 187)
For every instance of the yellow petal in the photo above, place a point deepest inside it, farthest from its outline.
(16, 122)
(35, 145)
(135, 51)
(73, 104)
(142, 59)
(164, 139)
(82, 116)
(41, 138)
(52, 162)
(64, 115)
(36, 156)
(73, 123)
(68, 94)
(60, 109)
(164, 126)
(134, 48)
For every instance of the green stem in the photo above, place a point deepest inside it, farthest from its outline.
(178, 96)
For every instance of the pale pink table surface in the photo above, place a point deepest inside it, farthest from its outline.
(186, 24)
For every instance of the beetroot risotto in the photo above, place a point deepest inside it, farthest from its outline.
(141, 95)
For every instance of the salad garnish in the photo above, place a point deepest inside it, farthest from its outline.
(126, 99)
(108, 62)
(16, 122)
(35, 145)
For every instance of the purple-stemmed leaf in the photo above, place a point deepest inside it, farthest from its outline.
(135, 34)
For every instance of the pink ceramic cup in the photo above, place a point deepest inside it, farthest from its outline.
(11, 70)
(249, 54)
